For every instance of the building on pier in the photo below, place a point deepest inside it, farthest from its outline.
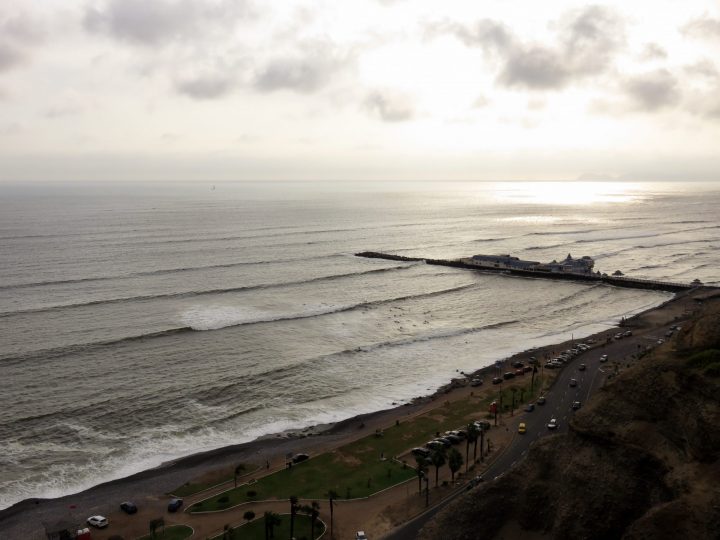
(583, 265)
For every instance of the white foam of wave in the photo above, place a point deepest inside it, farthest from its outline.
(214, 317)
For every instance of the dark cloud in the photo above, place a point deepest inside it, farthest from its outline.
(390, 106)
(704, 28)
(586, 44)
(536, 68)
(18, 36)
(653, 90)
(653, 51)
(491, 35)
(305, 73)
(156, 22)
(210, 87)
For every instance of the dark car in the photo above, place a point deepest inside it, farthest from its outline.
(453, 438)
(576, 405)
(530, 407)
(482, 424)
(434, 445)
(509, 375)
(447, 442)
(476, 382)
(519, 371)
(299, 458)
(128, 507)
(497, 380)
(422, 452)
(174, 505)
(541, 400)
(517, 364)
(581, 367)
(527, 369)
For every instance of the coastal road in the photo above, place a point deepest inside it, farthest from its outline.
(559, 402)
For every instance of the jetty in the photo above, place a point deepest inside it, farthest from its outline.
(512, 266)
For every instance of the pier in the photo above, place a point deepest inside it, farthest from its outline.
(617, 281)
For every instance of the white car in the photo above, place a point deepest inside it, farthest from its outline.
(360, 535)
(604, 358)
(573, 382)
(552, 424)
(98, 521)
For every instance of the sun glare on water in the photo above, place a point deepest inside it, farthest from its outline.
(567, 193)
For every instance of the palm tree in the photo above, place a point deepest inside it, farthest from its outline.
(312, 510)
(455, 461)
(438, 459)
(472, 437)
(238, 470)
(228, 532)
(331, 495)
(271, 521)
(420, 469)
(294, 506)
(155, 524)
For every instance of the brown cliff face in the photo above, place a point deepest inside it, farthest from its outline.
(640, 460)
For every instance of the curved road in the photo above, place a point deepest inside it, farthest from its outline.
(559, 405)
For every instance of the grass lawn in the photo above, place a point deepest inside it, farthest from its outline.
(174, 532)
(213, 479)
(355, 470)
(255, 530)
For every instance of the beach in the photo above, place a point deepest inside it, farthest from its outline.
(149, 488)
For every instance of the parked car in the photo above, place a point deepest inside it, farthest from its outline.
(457, 433)
(97, 521)
(581, 367)
(476, 382)
(604, 358)
(522, 428)
(517, 364)
(445, 441)
(497, 380)
(422, 452)
(483, 424)
(530, 407)
(541, 400)
(553, 424)
(509, 375)
(299, 458)
(519, 372)
(453, 439)
(128, 507)
(434, 445)
(360, 535)
(628, 333)
(174, 505)
(527, 369)
(573, 382)
(532, 360)
(576, 405)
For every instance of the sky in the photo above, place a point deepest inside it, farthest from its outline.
(216, 90)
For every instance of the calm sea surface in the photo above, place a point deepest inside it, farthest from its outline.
(142, 323)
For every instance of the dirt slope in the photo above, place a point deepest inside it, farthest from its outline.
(640, 460)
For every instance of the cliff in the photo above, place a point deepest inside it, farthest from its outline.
(639, 461)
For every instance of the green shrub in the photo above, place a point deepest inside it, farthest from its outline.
(224, 499)
(704, 358)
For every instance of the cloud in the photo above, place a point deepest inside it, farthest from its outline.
(156, 22)
(653, 51)
(390, 106)
(703, 28)
(536, 68)
(703, 68)
(305, 73)
(209, 87)
(653, 90)
(18, 35)
(586, 43)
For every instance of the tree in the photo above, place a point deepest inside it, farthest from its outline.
(312, 510)
(155, 524)
(331, 495)
(249, 516)
(294, 506)
(272, 520)
(420, 469)
(438, 459)
(472, 437)
(239, 469)
(455, 461)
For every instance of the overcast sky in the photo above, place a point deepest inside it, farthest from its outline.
(373, 89)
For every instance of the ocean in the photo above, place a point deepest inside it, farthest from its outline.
(143, 322)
